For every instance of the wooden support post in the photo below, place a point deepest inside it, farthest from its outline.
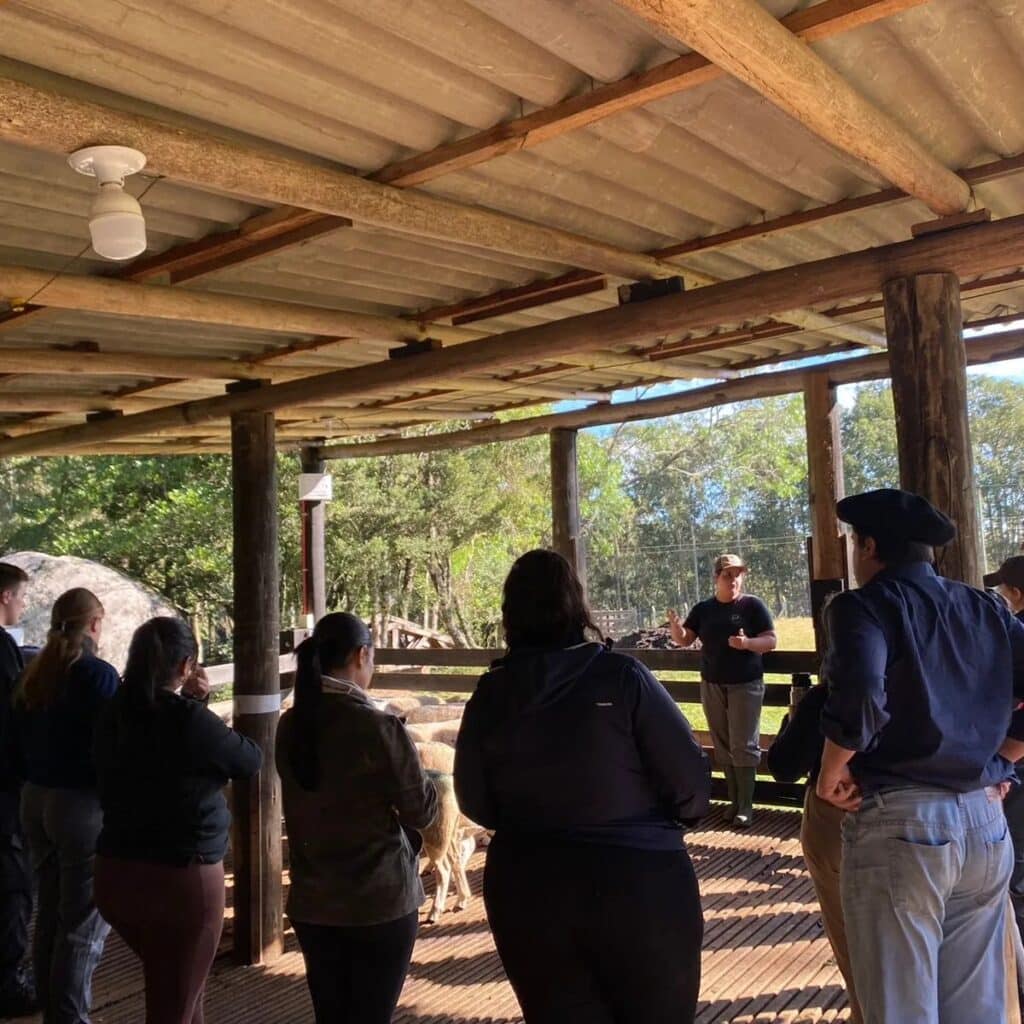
(313, 515)
(825, 483)
(929, 385)
(565, 501)
(258, 934)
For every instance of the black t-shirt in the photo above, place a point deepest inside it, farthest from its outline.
(714, 622)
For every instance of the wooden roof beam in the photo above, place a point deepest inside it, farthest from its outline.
(994, 348)
(819, 22)
(124, 298)
(37, 117)
(537, 291)
(742, 38)
(968, 251)
(45, 119)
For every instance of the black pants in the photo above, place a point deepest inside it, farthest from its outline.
(355, 975)
(596, 934)
(15, 905)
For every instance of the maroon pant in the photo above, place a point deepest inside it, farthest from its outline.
(171, 918)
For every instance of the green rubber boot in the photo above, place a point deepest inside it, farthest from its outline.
(745, 779)
(730, 781)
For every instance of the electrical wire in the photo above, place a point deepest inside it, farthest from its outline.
(74, 259)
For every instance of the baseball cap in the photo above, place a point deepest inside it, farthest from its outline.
(1011, 572)
(729, 562)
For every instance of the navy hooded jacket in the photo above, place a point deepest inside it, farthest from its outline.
(579, 744)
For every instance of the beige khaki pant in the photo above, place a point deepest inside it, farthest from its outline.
(821, 839)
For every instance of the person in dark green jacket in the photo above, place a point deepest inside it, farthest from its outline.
(354, 793)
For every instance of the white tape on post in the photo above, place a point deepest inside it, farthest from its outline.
(256, 703)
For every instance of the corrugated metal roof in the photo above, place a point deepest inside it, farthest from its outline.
(364, 85)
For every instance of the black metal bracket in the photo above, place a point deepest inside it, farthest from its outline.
(415, 348)
(644, 291)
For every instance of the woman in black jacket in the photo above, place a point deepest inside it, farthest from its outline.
(163, 760)
(587, 772)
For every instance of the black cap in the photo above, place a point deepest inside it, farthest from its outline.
(894, 514)
(1011, 572)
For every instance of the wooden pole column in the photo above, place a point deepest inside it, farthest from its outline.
(928, 363)
(825, 484)
(565, 501)
(313, 517)
(258, 934)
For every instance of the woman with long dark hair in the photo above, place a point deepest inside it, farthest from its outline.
(163, 760)
(353, 791)
(588, 773)
(56, 705)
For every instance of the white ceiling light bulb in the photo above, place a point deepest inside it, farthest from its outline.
(116, 223)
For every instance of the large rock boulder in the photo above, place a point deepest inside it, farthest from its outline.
(127, 603)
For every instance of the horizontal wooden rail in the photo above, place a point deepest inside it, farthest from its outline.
(657, 660)
(776, 693)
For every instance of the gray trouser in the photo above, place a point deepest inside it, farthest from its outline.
(924, 878)
(734, 719)
(61, 826)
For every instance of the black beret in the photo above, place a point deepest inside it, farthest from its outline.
(898, 515)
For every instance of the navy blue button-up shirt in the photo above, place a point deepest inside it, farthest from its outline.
(923, 674)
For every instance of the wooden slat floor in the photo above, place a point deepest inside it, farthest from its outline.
(765, 956)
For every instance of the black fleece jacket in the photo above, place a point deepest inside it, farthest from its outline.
(161, 777)
(579, 744)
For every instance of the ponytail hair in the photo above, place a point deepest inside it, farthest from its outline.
(43, 681)
(158, 648)
(334, 640)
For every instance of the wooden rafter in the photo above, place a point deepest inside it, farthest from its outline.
(995, 348)
(876, 367)
(42, 118)
(255, 237)
(968, 251)
(124, 298)
(46, 119)
(741, 37)
(983, 173)
(823, 21)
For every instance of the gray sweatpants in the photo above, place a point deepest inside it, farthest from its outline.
(61, 826)
(734, 719)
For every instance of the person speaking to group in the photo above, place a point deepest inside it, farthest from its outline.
(734, 629)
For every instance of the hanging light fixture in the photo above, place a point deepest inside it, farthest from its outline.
(116, 223)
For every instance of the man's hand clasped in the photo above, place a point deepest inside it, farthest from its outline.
(839, 788)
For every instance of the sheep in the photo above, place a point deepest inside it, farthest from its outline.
(447, 846)
(437, 757)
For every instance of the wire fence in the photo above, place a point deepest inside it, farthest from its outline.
(645, 580)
